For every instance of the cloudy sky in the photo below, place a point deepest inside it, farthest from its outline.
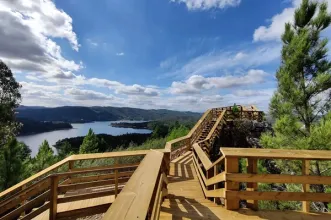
(174, 54)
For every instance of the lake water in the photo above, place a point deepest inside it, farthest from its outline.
(103, 127)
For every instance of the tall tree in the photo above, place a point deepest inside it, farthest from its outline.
(10, 98)
(44, 158)
(90, 143)
(12, 160)
(303, 95)
(304, 78)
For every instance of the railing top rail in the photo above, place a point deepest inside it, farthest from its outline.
(110, 154)
(134, 199)
(36, 176)
(276, 153)
(74, 158)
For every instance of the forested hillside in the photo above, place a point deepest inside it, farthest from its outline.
(86, 114)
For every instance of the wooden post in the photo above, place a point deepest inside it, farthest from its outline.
(71, 168)
(210, 174)
(216, 200)
(71, 165)
(23, 199)
(53, 197)
(305, 187)
(116, 177)
(231, 166)
(252, 169)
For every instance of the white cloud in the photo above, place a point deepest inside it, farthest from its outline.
(137, 90)
(26, 31)
(197, 84)
(222, 61)
(277, 26)
(120, 54)
(208, 4)
(252, 93)
(92, 43)
(82, 94)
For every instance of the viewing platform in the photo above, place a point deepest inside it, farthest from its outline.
(177, 182)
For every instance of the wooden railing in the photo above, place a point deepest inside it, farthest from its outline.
(44, 190)
(229, 177)
(142, 196)
(181, 145)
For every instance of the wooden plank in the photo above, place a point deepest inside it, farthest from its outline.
(116, 178)
(216, 179)
(35, 177)
(67, 187)
(202, 156)
(278, 178)
(276, 153)
(218, 121)
(306, 187)
(219, 160)
(252, 169)
(218, 193)
(87, 196)
(29, 205)
(278, 196)
(97, 169)
(231, 166)
(77, 213)
(53, 197)
(36, 212)
(136, 196)
(111, 154)
(99, 177)
(34, 189)
(158, 197)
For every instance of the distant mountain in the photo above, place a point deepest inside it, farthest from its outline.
(77, 114)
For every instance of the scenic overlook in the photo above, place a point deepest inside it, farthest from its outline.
(165, 109)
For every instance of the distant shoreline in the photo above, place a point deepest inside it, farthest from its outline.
(135, 125)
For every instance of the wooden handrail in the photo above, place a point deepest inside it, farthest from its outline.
(135, 199)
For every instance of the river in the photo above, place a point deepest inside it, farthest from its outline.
(103, 127)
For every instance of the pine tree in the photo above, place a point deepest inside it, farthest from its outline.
(44, 158)
(90, 143)
(304, 78)
(303, 95)
(12, 161)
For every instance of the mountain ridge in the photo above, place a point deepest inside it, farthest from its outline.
(81, 114)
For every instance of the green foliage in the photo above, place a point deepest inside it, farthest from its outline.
(10, 98)
(65, 150)
(235, 108)
(302, 96)
(13, 157)
(177, 132)
(90, 143)
(44, 158)
(304, 76)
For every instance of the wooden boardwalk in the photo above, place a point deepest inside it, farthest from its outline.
(186, 199)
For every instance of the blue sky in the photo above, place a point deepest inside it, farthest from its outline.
(177, 54)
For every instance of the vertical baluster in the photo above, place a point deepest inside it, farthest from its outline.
(116, 178)
(252, 169)
(231, 166)
(53, 197)
(305, 187)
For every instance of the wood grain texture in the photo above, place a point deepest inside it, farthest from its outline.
(276, 153)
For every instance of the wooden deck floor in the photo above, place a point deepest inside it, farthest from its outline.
(186, 199)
